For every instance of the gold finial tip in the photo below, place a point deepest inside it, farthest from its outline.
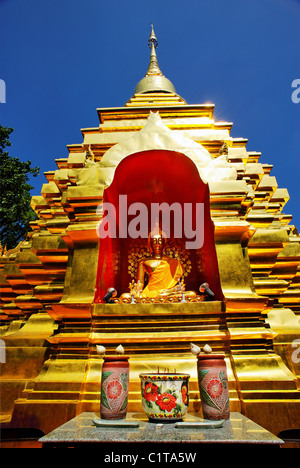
(152, 38)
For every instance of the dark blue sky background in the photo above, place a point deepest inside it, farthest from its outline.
(61, 59)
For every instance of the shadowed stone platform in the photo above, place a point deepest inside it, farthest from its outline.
(81, 431)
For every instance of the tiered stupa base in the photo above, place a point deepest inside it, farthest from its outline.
(157, 337)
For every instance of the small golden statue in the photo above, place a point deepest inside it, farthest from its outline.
(224, 149)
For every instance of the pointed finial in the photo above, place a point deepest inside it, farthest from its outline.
(152, 38)
(153, 68)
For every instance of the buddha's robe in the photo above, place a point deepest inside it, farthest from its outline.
(163, 278)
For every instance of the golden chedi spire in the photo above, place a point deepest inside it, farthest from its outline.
(154, 80)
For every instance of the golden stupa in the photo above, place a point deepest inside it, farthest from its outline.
(51, 322)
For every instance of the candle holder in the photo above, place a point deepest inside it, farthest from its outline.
(165, 396)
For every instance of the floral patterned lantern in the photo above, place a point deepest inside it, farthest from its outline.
(213, 386)
(114, 387)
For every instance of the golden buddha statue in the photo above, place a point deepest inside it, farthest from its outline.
(164, 274)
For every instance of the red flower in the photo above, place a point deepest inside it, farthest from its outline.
(166, 402)
(215, 388)
(184, 392)
(150, 392)
(114, 389)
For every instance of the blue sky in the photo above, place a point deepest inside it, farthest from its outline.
(61, 59)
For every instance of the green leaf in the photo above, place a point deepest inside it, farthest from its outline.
(223, 379)
(124, 379)
(105, 375)
(104, 400)
(124, 404)
(177, 409)
(202, 373)
(227, 404)
(205, 397)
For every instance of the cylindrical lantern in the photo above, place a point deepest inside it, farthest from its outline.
(114, 387)
(213, 386)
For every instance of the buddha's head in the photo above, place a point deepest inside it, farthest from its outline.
(156, 244)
